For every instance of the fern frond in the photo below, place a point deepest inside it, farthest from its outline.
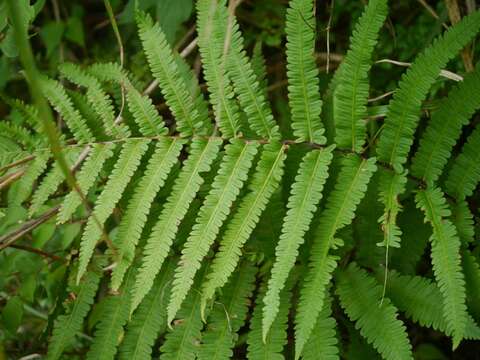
(225, 188)
(351, 95)
(464, 175)
(149, 320)
(323, 343)
(259, 67)
(21, 190)
(128, 161)
(61, 102)
(339, 212)
(272, 347)
(85, 179)
(404, 110)
(245, 83)
(98, 99)
(446, 260)
(144, 113)
(302, 72)
(445, 128)
(187, 184)
(418, 298)
(68, 325)
(463, 220)
(211, 25)
(305, 195)
(182, 342)
(391, 185)
(135, 217)
(228, 315)
(109, 329)
(265, 181)
(360, 297)
(164, 68)
(50, 182)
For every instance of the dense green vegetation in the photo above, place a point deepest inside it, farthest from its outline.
(238, 179)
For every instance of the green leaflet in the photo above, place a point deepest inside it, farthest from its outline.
(228, 315)
(98, 99)
(360, 297)
(149, 320)
(127, 163)
(226, 186)
(182, 341)
(135, 217)
(339, 212)
(272, 347)
(445, 128)
(50, 182)
(351, 95)
(109, 329)
(323, 343)
(264, 182)
(68, 325)
(144, 113)
(173, 87)
(418, 298)
(404, 109)
(85, 179)
(463, 220)
(465, 172)
(62, 103)
(302, 72)
(187, 184)
(246, 85)
(211, 25)
(471, 270)
(391, 185)
(446, 260)
(305, 195)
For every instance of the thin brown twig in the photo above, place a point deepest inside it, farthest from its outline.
(39, 252)
(17, 163)
(432, 12)
(10, 178)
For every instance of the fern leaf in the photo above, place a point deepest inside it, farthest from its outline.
(446, 260)
(445, 128)
(390, 187)
(126, 165)
(463, 220)
(68, 325)
(164, 68)
(404, 109)
(226, 186)
(211, 26)
(22, 188)
(187, 184)
(50, 183)
(272, 347)
(227, 316)
(465, 172)
(351, 94)
(265, 181)
(246, 85)
(85, 179)
(182, 342)
(135, 217)
(418, 298)
(144, 113)
(259, 68)
(98, 99)
(360, 297)
(305, 194)
(471, 269)
(302, 72)
(62, 103)
(339, 212)
(149, 320)
(110, 327)
(322, 344)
